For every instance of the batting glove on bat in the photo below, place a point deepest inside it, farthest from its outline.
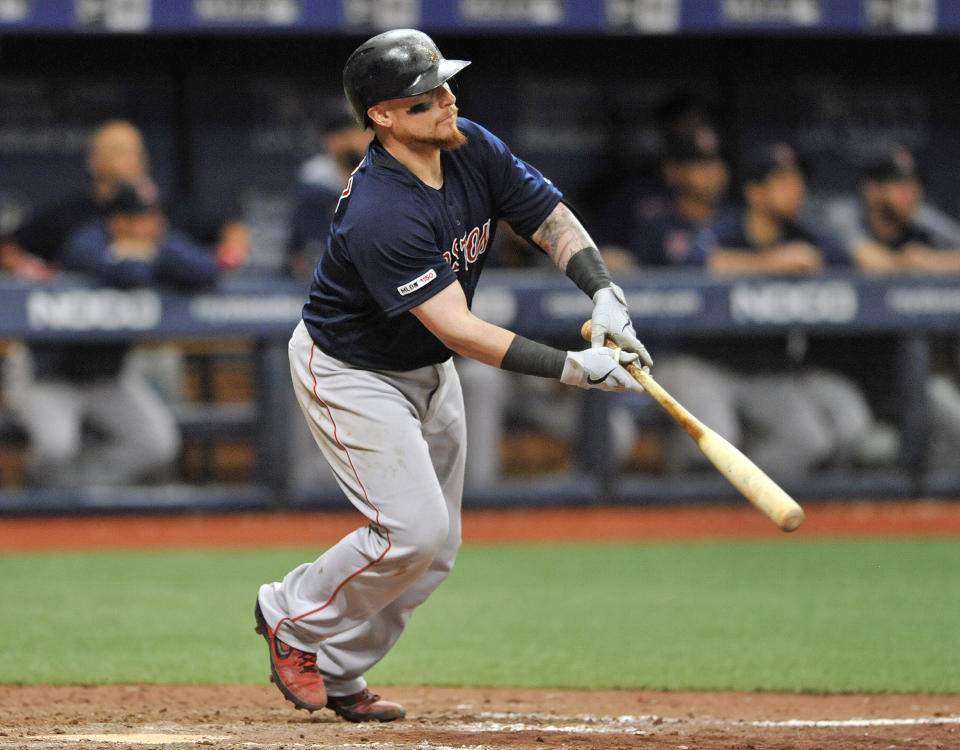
(600, 367)
(610, 318)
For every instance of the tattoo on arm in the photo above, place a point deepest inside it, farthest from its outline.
(561, 235)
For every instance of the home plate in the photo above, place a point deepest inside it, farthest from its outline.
(133, 739)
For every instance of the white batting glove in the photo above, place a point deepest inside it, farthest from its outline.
(599, 368)
(610, 318)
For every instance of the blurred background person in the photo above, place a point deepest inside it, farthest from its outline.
(512, 419)
(890, 233)
(769, 235)
(758, 392)
(634, 189)
(889, 210)
(887, 234)
(320, 182)
(115, 154)
(54, 390)
(695, 179)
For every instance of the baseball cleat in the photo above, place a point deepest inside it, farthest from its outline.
(365, 706)
(294, 671)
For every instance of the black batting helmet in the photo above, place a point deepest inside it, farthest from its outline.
(392, 65)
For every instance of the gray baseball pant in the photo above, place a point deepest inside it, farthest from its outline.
(396, 442)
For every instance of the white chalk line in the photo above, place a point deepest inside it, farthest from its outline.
(586, 724)
(132, 738)
(919, 721)
(580, 724)
(492, 722)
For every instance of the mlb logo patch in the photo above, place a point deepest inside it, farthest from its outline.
(412, 286)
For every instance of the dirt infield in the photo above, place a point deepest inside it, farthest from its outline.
(235, 717)
(473, 719)
(841, 519)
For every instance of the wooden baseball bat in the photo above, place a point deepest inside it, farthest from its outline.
(741, 472)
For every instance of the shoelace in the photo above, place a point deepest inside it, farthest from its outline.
(307, 662)
(364, 697)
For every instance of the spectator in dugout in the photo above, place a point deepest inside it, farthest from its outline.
(888, 236)
(664, 233)
(761, 393)
(320, 182)
(115, 154)
(697, 178)
(55, 389)
(894, 232)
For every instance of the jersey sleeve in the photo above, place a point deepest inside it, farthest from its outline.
(727, 231)
(89, 250)
(830, 246)
(522, 194)
(844, 220)
(182, 263)
(723, 232)
(45, 234)
(396, 255)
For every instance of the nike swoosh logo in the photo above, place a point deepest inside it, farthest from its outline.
(598, 381)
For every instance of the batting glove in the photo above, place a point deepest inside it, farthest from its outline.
(600, 367)
(610, 318)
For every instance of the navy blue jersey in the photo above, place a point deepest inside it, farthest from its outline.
(313, 209)
(760, 353)
(179, 262)
(668, 239)
(729, 231)
(395, 242)
(909, 233)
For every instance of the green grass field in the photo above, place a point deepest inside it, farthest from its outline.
(797, 615)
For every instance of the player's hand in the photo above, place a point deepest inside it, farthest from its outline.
(600, 367)
(915, 256)
(610, 319)
(794, 257)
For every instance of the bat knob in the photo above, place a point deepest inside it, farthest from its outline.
(792, 519)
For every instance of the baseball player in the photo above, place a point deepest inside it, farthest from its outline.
(372, 369)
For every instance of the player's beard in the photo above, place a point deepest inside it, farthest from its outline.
(788, 217)
(892, 214)
(711, 198)
(451, 142)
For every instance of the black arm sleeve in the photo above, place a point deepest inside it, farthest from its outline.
(531, 358)
(587, 270)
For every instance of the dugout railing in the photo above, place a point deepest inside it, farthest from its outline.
(666, 305)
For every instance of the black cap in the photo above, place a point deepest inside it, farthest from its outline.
(337, 118)
(769, 158)
(897, 166)
(693, 145)
(131, 199)
(394, 65)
